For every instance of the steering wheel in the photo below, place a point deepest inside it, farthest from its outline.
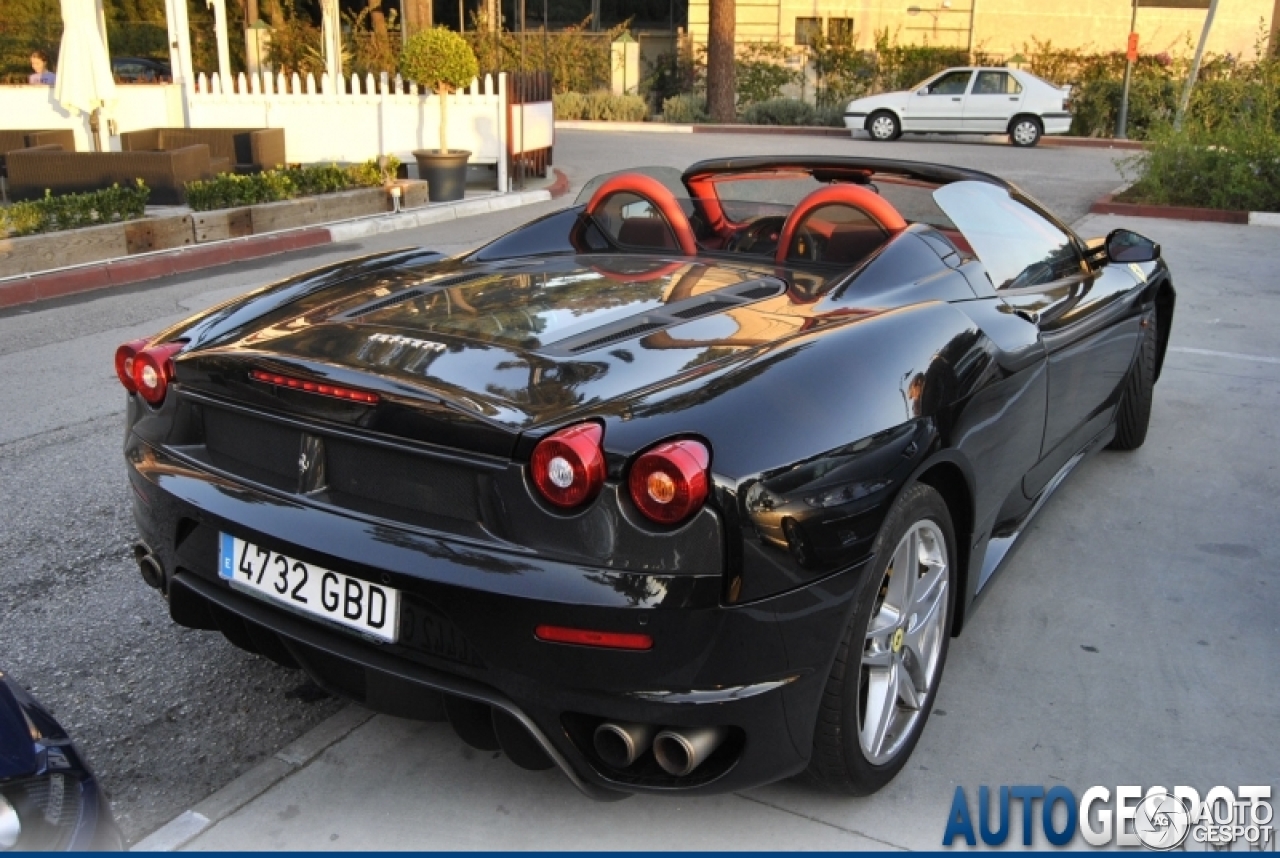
(760, 236)
(808, 245)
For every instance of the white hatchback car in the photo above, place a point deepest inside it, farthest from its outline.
(967, 101)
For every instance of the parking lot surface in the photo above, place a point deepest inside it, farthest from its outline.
(1130, 639)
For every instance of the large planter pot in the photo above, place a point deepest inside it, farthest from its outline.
(445, 173)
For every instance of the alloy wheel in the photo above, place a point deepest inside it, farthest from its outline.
(900, 658)
(1025, 133)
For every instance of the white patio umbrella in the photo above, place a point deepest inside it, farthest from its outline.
(84, 81)
(331, 34)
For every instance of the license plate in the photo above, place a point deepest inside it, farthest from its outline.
(351, 602)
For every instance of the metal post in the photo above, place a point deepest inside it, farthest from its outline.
(1122, 118)
(973, 17)
(1195, 68)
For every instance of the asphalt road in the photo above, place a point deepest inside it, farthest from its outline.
(168, 715)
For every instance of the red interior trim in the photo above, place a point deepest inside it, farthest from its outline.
(875, 206)
(657, 194)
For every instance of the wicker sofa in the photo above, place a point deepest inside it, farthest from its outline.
(33, 170)
(12, 140)
(247, 150)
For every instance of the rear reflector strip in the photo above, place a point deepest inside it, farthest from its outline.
(347, 393)
(585, 637)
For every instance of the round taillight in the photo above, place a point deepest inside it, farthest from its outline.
(124, 362)
(153, 370)
(669, 482)
(568, 466)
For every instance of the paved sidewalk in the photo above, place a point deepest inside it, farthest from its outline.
(1122, 644)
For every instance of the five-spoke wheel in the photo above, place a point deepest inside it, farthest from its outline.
(888, 667)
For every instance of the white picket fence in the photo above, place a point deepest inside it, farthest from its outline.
(355, 120)
(347, 120)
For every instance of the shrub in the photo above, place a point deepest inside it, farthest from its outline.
(229, 190)
(843, 72)
(600, 105)
(685, 109)
(569, 105)
(829, 117)
(1235, 167)
(441, 60)
(780, 111)
(438, 59)
(579, 61)
(761, 74)
(1227, 154)
(70, 211)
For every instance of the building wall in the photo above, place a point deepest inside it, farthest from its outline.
(1006, 27)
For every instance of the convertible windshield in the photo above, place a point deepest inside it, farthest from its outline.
(1017, 246)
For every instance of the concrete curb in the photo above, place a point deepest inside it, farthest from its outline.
(123, 271)
(185, 827)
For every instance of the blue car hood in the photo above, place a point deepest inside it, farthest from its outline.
(22, 723)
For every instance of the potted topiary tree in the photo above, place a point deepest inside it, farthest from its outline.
(442, 61)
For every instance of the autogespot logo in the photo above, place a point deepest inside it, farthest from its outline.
(1159, 819)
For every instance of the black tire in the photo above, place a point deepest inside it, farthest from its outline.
(839, 762)
(883, 126)
(1134, 413)
(1025, 131)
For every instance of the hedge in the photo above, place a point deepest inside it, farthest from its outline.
(229, 190)
(71, 211)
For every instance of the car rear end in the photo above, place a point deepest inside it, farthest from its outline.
(438, 526)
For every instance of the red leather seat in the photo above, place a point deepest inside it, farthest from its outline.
(664, 204)
(876, 221)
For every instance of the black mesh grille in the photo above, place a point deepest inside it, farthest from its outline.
(757, 292)
(365, 477)
(49, 808)
(624, 334)
(384, 303)
(400, 480)
(701, 310)
(257, 449)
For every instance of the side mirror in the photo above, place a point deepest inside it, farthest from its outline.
(1126, 246)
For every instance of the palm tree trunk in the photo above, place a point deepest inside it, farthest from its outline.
(721, 96)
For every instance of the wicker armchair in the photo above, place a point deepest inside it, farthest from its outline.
(32, 171)
(247, 150)
(13, 140)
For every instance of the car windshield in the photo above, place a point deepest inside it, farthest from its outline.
(1017, 246)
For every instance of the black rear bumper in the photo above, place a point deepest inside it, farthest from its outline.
(467, 647)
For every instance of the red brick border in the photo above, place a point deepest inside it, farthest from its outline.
(1092, 143)
(783, 130)
(123, 271)
(1107, 205)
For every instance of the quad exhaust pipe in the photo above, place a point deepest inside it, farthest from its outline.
(680, 751)
(148, 566)
(620, 745)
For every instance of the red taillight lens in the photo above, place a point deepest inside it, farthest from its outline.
(669, 483)
(124, 362)
(587, 637)
(568, 466)
(153, 371)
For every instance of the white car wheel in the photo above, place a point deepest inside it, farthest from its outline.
(1025, 132)
(883, 127)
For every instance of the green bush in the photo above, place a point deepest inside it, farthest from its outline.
(1227, 155)
(843, 71)
(600, 105)
(761, 73)
(71, 211)
(685, 109)
(579, 60)
(829, 117)
(229, 190)
(569, 105)
(780, 111)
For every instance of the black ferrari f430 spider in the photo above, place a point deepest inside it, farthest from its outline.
(683, 488)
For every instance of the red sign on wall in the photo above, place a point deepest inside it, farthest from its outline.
(1133, 47)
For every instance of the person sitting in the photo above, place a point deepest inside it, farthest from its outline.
(40, 70)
